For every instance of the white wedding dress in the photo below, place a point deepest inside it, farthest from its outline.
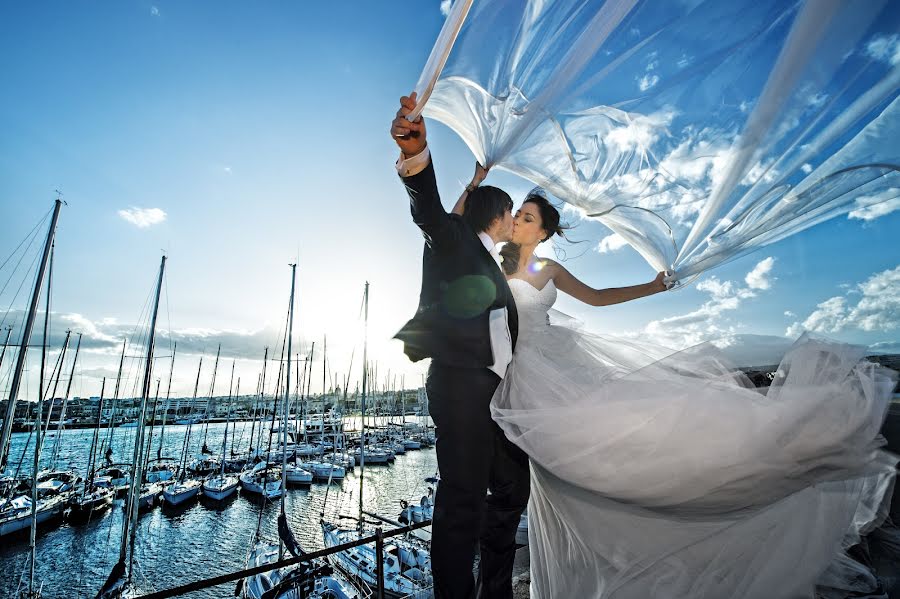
(667, 475)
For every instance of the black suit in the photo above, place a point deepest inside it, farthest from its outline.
(461, 284)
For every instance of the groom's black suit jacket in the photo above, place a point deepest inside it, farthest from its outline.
(461, 284)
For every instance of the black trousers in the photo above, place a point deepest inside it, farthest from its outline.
(473, 456)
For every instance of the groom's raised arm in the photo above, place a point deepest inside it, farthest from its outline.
(417, 172)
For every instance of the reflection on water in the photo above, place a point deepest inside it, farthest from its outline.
(201, 539)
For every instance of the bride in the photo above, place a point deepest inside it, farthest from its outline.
(661, 474)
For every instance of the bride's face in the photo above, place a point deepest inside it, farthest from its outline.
(528, 229)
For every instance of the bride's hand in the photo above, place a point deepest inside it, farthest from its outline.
(658, 283)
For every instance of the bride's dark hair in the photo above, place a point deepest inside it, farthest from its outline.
(550, 222)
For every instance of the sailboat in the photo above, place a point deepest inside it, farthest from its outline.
(185, 488)
(119, 579)
(412, 513)
(93, 500)
(150, 491)
(406, 563)
(323, 470)
(314, 580)
(21, 511)
(265, 478)
(162, 469)
(207, 463)
(222, 486)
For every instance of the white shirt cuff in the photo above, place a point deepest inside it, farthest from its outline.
(407, 167)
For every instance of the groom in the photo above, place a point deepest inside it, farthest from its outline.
(467, 324)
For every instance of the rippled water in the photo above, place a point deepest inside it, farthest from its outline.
(179, 545)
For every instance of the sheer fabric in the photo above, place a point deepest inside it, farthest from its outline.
(696, 130)
(661, 474)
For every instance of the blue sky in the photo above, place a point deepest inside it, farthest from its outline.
(261, 132)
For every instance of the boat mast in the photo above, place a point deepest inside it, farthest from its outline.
(6, 431)
(284, 410)
(257, 407)
(182, 467)
(212, 388)
(112, 409)
(227, 420)
(62, 413)
(32, 539)
(89, 481)
(134, 492)
(307, 395)
(5, 344)
(162, 430)
(362, 445)
(298, 395)
(322, 403)
(152, 427)
(58, 372)
(237, 396)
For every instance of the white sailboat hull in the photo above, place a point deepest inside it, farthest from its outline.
(181, 492)
(220, 487)
(270, 489)
(21, 519)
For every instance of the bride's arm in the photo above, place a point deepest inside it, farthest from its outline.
(477, 178)
(568, 283)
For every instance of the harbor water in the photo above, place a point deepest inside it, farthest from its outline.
(198, 540)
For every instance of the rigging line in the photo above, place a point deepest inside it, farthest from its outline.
(168, 316)
(133, 363)
(30, 234)
(19, 290)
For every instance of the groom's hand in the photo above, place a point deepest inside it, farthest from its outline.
(410, 136)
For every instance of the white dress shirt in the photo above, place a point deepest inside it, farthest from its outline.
(501, 339)
(407, 167)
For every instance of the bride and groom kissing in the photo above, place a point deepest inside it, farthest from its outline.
(646, 472)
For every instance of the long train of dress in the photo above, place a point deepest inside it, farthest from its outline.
(659, 474)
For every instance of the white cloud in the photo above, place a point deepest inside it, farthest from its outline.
(708, 322)
(143, 217)
(789, 314)
(684, 61)
(876, 308)
(700, 159)
(79, 323)
(871, 207)
(611, 243)
(758, 278)
(641, 130)
(885, 48)
(761, 171)
(647, 81)
(806, 168)
(816, 100)
(445, 7)
(154, 11)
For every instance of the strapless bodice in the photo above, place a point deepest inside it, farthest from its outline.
(532, 304)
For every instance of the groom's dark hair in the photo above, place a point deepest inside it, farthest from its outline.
(484, 205)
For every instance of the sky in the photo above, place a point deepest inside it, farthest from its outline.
(238, 138)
